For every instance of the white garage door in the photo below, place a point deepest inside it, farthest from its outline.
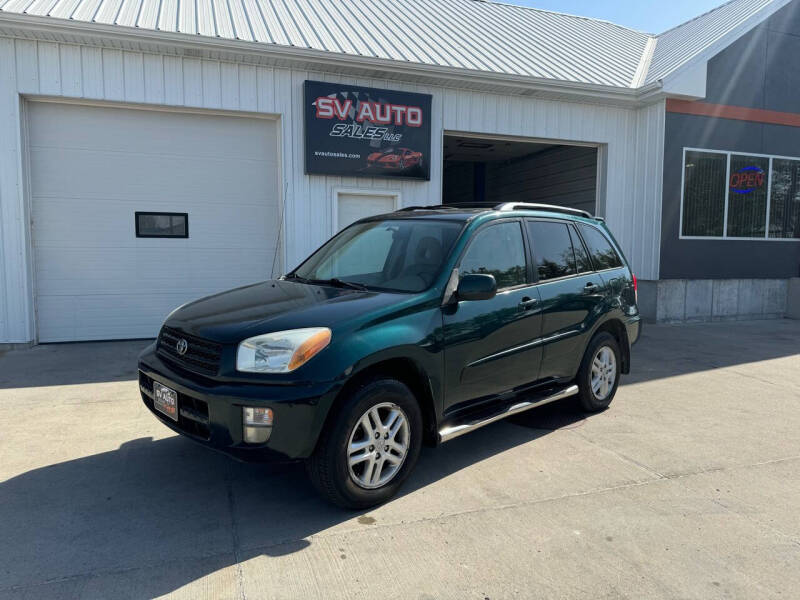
(93, 168)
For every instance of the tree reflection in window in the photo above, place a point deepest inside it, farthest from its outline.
(497, 250)
(784, 208)
(552, 248)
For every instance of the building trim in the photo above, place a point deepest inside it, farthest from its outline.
(736, 113)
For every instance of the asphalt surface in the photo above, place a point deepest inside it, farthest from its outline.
(688, 487)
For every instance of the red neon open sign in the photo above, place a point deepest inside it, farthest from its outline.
(747, 180)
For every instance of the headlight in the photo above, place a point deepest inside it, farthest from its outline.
(282, 351)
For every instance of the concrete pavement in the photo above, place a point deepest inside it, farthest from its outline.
(688, 487)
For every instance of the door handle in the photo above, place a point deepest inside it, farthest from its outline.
(591, 288)
(527, 303)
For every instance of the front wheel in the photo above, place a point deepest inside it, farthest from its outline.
(370, 447)
(598, 377)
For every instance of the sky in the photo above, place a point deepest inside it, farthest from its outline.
(651, 16)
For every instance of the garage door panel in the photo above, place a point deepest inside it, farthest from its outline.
(159, 132)
(134, 178)
(93, 168)
(90, 317)
(117, 271)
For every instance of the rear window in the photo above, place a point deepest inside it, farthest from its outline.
(552, 248)
(603, 254)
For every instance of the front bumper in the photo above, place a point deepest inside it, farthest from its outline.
(210, 411)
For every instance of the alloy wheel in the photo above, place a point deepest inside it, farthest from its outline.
(378, 445)
(604, 372)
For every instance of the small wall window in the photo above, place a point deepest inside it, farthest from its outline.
(162, 225)
(740, 196)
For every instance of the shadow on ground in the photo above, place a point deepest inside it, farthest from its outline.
(663, 350)
(171, 502)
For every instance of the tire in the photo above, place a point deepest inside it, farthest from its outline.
(355, 487)
(598, 386)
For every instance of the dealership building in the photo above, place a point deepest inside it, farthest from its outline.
(155, 151)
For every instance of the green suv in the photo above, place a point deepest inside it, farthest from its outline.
(406, 328)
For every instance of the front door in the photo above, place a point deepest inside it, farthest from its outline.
(572, 295)
(491, 345)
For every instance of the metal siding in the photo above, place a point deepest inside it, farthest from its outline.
(632, 139)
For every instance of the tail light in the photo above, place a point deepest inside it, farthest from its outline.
(635, 288)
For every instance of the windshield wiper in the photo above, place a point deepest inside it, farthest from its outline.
(296, 277)
(341, 283)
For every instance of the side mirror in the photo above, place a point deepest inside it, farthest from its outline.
(476, 287)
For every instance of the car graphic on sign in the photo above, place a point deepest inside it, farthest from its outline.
(395, 159)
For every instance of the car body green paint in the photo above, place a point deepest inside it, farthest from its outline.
(467, 353)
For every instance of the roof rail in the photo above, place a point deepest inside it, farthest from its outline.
(548, 207)
(454, 206)
(431, 207)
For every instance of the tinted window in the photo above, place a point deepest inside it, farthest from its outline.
(581, 256)
(497, 250)
(552, 248)
(602, 253)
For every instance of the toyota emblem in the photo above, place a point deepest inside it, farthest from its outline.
(182, 346)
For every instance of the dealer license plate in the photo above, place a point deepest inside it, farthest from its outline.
(165, 400)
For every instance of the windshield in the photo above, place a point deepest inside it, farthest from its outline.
(402, 255)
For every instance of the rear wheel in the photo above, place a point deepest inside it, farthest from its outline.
(370, 448)
(598, 377)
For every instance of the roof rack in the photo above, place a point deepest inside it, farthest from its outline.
(451, 206)
(548, 207)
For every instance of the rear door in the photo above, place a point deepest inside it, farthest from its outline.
(572, 294)
(491, 346)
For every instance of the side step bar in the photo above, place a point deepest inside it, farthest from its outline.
(453, 431)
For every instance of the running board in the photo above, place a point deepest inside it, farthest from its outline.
(453, 431)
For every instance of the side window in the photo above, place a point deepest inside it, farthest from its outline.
(581, 256)
(552, 248)
(603, 254)
(497, 250)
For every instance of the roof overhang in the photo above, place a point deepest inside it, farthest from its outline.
(143, 40)
(688, 81)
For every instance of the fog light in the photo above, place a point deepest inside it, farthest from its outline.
(257, 424)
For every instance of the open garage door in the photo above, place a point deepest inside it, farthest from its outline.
(496, 170)
(102, 271)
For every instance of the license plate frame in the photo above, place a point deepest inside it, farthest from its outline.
(165, 400)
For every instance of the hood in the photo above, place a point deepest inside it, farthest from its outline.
(234, 315)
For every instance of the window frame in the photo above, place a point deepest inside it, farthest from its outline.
(525, 247)
(139, 234)
(725, 235)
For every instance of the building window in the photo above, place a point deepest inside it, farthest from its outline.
(704, 193)
(162, 225)
(747, 196)
(784, 205)
(740, 196)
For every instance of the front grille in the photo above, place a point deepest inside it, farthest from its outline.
(201, 356)
(192, 412)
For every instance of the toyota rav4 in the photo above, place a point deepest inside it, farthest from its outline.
(405, 328)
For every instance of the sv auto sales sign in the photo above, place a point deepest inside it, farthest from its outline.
(366, 132)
